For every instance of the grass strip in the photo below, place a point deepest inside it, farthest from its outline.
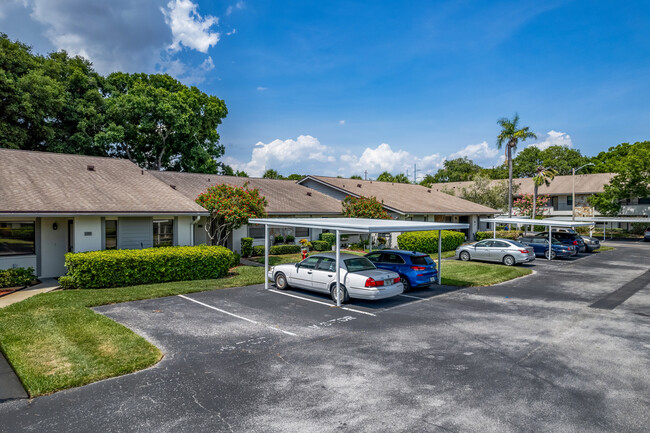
(55, 341)
(457, 273)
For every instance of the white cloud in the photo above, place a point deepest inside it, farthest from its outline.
(284, 154)
(207, 64)
(384, 158)
(232, 32)
(238, 5)
(261, 89)
(553, 138)
(341, 122)
(475, 152)
(188, 28)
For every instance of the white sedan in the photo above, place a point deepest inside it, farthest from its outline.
(359, 277)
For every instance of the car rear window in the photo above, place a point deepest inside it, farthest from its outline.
(421, 260)
(359, 264)
(517, 244)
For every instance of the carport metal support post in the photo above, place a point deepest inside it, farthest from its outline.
(338, 268)
(494, 230)
(266, 256)
(550, 243)
(439, 257)
(604, 229)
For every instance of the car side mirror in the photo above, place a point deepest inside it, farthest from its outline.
(297, 265)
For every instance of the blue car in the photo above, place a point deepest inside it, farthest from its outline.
(415, 269)
(540, 246)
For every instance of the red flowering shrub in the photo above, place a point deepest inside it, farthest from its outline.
(230, 207)
(364, 207)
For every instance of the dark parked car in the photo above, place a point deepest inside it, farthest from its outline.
(415, 269)
(646, 234)
(568, 237)
(540, 246)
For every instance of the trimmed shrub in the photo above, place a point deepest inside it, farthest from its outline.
(321, 245)
(330, 238)
(283, 249)
(427, 242)
(15, 277)
(246, 247)
(289, 239)
(258, 250)
(279, 239)
(505, 234)
(119, 268)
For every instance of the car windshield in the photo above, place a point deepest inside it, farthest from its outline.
(359, 264)
(421, 260)
(541, 240)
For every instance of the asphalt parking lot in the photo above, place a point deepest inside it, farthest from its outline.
(564, 349)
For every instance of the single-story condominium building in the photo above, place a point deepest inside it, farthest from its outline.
(285, 198)
(51, 204)
(406, 201)
(560, 192)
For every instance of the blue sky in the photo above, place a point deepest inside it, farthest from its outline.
(342, 87)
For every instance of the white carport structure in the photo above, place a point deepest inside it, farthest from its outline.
(351, 226)
(547, 222)
(610, 220)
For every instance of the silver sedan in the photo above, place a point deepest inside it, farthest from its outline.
(506, 251)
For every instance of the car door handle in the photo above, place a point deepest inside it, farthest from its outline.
(329, 275)
(309, 272)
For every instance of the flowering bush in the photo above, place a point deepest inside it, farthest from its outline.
(364, 207)
(524, 205)
(230, 207)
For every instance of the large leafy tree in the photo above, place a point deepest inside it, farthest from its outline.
(543, 176)
(230, 207)
(388, 177)
(511, 134)
(561, 158)
(615, 158)
(632, 180)
(457, 170)
(159, 123)
(271, 174)
(364, 207)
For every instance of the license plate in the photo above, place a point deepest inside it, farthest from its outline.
(432, 279)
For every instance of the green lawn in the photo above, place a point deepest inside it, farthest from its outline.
(54, 341)
(604, 248)
(457, 273)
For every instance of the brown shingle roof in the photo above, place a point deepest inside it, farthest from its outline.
(407, 198)
(560, 185)
(284, 197)
(44, 182)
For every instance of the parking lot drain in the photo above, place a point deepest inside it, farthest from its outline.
(621, 295)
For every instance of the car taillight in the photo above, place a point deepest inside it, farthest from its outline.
(397, 280)
(575, 242)
(523, 251)
(418, 268)
(371, 282)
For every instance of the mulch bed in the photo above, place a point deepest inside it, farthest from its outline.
(9, 290)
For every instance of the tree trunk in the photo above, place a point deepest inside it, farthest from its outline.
(509, 181)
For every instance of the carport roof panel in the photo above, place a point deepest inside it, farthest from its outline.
(358, 225)
(614, 219)
(545, 222)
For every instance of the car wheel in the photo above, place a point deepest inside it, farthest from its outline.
(405, 283)
(553, 255)
(281, 281)
(464, 256)
(343, 293)
(509, 260)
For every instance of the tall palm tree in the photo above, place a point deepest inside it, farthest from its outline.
(543, 176)
(510, 135)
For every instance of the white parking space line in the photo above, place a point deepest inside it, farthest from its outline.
(239, 317)
(322, 303)
(410, 296)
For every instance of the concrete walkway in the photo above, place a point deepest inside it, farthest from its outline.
(46, 285)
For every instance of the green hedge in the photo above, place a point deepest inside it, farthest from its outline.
(258, 250)
(427, 242)
(505, 234)
(119, 268)
(15, 277)
(246, 247)
(330, 238)
(321, 245)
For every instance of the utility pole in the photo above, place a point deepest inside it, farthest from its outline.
(365, 174)
(415, 173)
